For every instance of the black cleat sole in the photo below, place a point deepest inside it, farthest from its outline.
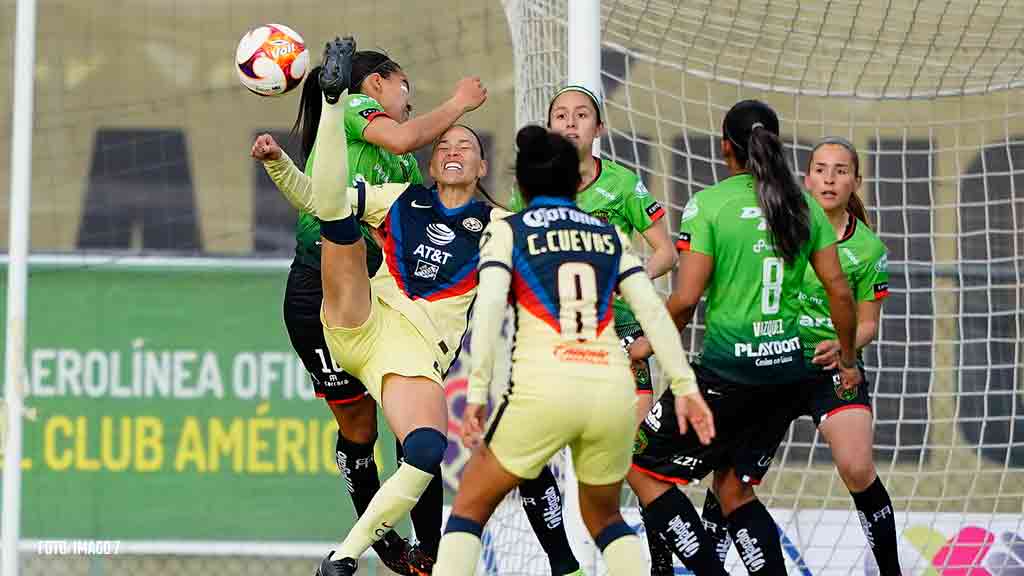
(336, 70)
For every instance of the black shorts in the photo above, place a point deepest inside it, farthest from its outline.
(750, 422)
(826, 400)
(302, 300)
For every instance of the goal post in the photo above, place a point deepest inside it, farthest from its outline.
(930, 94)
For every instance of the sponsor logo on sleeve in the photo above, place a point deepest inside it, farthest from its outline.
(370, 112)
(690, 212)
(881, 290)
(883, 263)
(654, 210)
(683, 243)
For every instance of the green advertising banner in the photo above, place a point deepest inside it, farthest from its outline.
(168, 405)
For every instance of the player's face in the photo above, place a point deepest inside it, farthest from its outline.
(831, 178)
(456, 159)
(573, 116)
(394, 97)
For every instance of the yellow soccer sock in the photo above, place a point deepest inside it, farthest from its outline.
(458, 554)
(330, 165)
(625, 556)
(394, 499)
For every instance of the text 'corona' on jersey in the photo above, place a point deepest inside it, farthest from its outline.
(571, 240)
(542, 217)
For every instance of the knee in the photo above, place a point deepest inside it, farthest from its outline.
(424, 448)
(732, 493)
(857, 473)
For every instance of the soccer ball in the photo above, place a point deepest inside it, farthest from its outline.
(271, 60)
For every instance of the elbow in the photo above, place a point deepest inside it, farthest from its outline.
(869, 328)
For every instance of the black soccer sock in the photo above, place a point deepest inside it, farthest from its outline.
(876, 519)
(543, 505)
(714, 524)
(661, 554)
(672, 518)
(359, 470)
(756, 537)
(426, 515)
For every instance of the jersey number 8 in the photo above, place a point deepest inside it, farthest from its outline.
(771, 285)
(577, 297)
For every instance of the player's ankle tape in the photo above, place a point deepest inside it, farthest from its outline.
(461, 524)
(344, 231)
(612, 533)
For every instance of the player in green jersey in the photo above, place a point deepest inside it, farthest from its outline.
(746, 242)
(843, 416)
(381, 138)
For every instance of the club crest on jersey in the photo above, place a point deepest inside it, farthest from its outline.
(440, 234)
(356, 102)
(473, 224)
(883, 263)
(426, 270)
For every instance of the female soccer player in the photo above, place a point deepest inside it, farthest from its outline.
(418, 301)
(559, 266)
(844, 418)
(381, 139)
(618, 196)
(747, 242)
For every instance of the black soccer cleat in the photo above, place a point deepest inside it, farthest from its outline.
(342, 567)
(336, 70)
(401, 557)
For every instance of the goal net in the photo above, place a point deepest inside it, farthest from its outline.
(930, 93)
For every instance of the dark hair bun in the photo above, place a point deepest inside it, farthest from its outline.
(546, 164)
(532, 142)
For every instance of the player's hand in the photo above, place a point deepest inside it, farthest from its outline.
(473, 425)
(850, 378)
(692, 410)
(826, 355)
(265, 148)
(640, 349)
(469, 94)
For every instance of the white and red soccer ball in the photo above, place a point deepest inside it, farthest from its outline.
(271, 60)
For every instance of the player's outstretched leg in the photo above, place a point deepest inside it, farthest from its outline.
(542, 503)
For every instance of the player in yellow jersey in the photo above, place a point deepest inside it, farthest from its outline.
(559, 267)
(418, 301)
(381, 137)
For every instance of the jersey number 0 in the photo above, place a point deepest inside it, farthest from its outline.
(577, 296)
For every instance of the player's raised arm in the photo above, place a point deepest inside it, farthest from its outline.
(639, 293)
(369, 203)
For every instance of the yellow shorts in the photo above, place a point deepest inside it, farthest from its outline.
(537, 418)
(386, 343)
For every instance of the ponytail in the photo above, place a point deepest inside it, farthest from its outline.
(856, 207)
(308, 120)
(781, 199)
